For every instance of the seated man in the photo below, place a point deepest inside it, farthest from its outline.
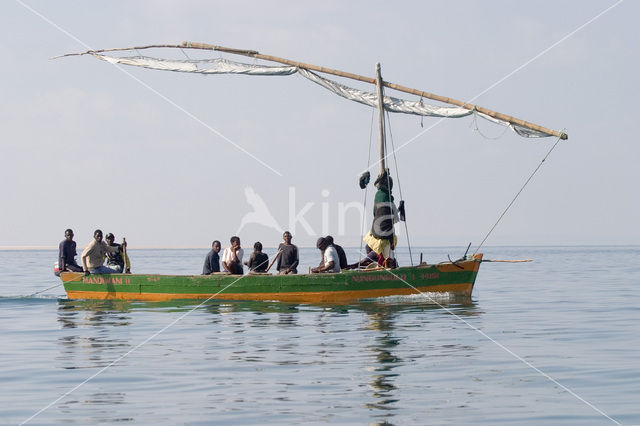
(67, 254)
(258, 260)
(288, 258)
(118, 261)
(341, 254)
(232, 257)
(94, 254)
(330, 256)
(212, 261)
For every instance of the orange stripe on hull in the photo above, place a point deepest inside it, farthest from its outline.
(463, 289)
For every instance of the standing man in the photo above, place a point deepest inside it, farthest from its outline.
(330, 256)
(288, 258)
(93, 256)
(67, 254)
(232, 257)
(212, 261)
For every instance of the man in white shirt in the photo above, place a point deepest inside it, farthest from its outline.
(330, 256)
(232, 257)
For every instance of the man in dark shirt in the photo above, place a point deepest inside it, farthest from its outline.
(67, 254)
(258, 260)
(341, 254)
(288, 258)
(118, 260)
(212, 261)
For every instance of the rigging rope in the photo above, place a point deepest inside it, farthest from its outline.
(395, 160)
(519, 192)
(364, 208)
(41, 291)
(474, 123)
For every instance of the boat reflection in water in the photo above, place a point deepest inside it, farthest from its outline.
(224, 357)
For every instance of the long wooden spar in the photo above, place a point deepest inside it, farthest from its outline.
(400, 88)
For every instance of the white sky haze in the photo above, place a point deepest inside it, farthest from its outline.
(163, 158)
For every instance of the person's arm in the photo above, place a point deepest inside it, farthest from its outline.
(85, 255)
(251, 263)
(327, 267)
(206, 269)
(294, 265)
(279, 258)
(236, 259)
(225, 264)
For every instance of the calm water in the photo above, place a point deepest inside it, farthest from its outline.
(573, 314)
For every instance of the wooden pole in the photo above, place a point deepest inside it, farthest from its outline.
(400, 88)
(273, 260)
(381, 132)
(394, 86)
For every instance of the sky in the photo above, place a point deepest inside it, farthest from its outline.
(177, 160)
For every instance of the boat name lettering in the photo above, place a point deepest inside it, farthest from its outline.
(386, 277)
(103, 280)
(430, 276)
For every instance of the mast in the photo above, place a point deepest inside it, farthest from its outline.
(381, 132)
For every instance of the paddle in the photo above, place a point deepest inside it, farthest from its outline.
(127, 263)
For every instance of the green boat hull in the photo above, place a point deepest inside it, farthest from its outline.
(456, 278)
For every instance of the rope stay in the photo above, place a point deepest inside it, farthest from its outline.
(395, 161)
(476, 128)
(364, 207)
(519, 192)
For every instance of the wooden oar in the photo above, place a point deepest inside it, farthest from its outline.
(273, 260)
(127, 262)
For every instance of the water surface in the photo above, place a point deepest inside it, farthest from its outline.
(573, 314)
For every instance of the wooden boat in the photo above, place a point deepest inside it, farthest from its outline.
(453, 277)
(456, 278)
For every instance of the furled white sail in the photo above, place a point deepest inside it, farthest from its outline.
(201, 66)
(390, 104)
(224, 66)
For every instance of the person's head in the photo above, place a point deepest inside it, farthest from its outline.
(97, 235)
(384, 181)
(235, 241)
(287, 237)
(109, 238)
(257, 247)
(216, 246)
(68, 234)
(329, 240)
(321, 243)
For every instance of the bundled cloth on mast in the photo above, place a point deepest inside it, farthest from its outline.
(382, 238)
(391, 104)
